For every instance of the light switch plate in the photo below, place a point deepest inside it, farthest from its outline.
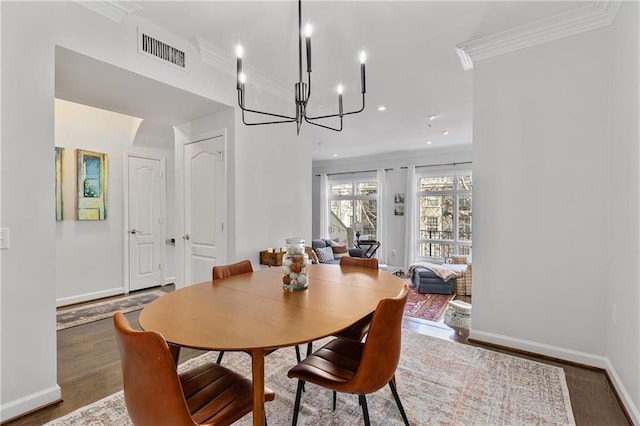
(4, 238)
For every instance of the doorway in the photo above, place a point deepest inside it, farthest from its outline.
(145, 219)
(203, 206)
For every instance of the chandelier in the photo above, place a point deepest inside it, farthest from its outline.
(302, 90)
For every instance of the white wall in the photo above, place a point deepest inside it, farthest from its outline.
(28, 361)
(28, 370)
(396, 183)
(549, 174)
(623, 334)
(89, 254)
(540, 193)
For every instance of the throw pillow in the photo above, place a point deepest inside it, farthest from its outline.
(334, 243)
(340, 251)
(325, 254)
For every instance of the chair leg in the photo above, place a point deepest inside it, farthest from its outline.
(365, 410)
(175, 353)
(334, 400)
(296, 406)
(220, 357)
(397, 398)
(298, 357)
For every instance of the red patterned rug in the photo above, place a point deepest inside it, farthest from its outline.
(429, 307)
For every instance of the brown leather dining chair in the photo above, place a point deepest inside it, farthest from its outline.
(225, 271)
(360, 329)
(155, 394)
(371, 263)
(346, 365)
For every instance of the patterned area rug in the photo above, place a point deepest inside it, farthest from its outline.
(89, 312)
(440, 383)
(428, 307)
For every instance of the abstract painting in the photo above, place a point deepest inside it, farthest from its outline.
(92, 185)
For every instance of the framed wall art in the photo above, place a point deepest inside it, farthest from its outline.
(59, 204)
(92, 185)
(398, 204)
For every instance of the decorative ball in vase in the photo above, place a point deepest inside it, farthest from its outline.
(294, 266)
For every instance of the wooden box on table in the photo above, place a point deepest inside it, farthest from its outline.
(271, 258)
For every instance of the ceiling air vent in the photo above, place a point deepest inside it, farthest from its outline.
(158, 49)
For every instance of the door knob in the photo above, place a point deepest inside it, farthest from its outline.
(134, 231)
(186, 237)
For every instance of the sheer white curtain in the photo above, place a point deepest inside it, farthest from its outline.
(410, 217)
(382, 217)
(324, 206)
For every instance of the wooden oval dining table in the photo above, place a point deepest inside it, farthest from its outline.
(251, 312)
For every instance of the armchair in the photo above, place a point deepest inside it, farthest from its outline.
(463, 284)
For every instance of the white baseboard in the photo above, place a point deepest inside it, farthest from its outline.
(541, 349)
(628, 403)
(89, 296)
(566, 355)
(169, 280)
(29, 403)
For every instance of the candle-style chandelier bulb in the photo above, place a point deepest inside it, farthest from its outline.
(308, 30)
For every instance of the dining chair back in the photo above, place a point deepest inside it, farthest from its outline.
(156, 394)
(371, 263)
(345, 365)
(381, 351)
(226, 271)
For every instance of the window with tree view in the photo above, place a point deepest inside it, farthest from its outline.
(445, 213)
(353, 204)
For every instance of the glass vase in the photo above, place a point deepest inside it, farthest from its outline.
(294, 266)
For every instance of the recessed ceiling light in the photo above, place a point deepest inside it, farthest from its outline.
(382, 108)
(429, 142)
(432, 117)
(446, 132)
(335, 155)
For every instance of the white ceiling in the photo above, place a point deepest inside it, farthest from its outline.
(88, 81)
(412, 65)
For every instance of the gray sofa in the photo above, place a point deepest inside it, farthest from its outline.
(322, 243)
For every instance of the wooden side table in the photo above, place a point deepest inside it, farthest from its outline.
(271, 258)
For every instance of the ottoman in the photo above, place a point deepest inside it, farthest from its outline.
(426, 281)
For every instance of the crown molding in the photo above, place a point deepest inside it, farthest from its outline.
(598, 14)
(114, 10)
(223, 61)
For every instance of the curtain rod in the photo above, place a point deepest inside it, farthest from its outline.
(442, 164)
(353, 173)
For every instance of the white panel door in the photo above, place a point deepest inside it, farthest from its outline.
(145, 222)
(205, 206)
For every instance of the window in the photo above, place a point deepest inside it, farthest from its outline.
(353, 202)
(445, 212)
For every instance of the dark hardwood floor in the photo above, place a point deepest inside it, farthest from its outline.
(89, 369)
